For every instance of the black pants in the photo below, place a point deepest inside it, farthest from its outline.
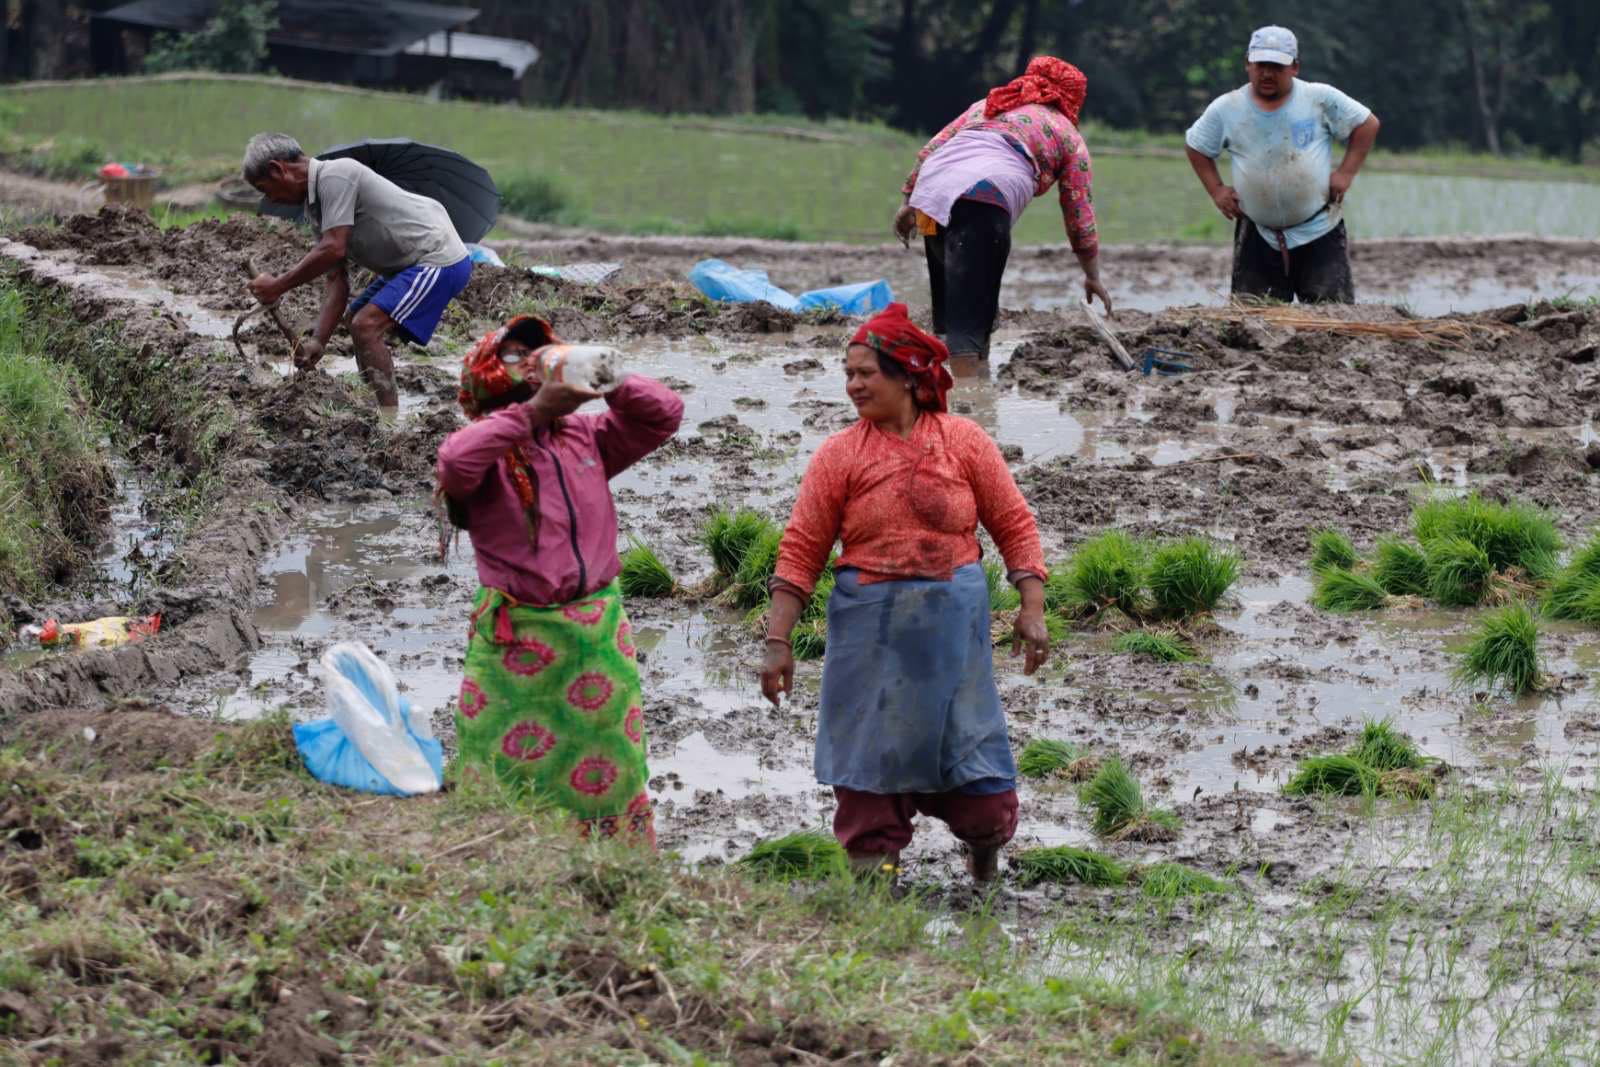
(1319, 272)
(966, 261)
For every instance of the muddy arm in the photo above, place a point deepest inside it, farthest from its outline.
(335, 298)
(644, 415)
(815, 523)
(468, 455)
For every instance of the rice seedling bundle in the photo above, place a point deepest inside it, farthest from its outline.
(750, 584)
(643, 574)
(1331, 548)
(1105, 571)
(1118, 808)
(809, 639)
(1339, 775)
(1503, 653)
(728, 535)
(1189, 577)
(1043, 757)
(803, 856)
(1155, 645)
(1575, 592)
(1383, 748)
(1407, 783)
(1340, 590)
(1458, 571)
(1511, 535)
(1400, 567)
(1065, 865)
(1169, 881)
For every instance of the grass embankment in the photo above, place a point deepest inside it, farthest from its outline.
(772, 176)
(190, 899)
(54, 483)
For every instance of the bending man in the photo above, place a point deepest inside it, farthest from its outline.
(1287, 201)
(407, 240)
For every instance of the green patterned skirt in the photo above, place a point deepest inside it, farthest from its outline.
(551, 706)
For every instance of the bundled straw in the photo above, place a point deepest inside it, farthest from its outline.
(1450, 333)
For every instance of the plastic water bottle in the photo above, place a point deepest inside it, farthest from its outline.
(596, 367)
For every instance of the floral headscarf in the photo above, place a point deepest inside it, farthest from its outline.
(891, 333)
(1047, 80)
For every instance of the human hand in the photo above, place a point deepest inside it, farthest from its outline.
(1338, 184)
(777, 671)
(905, 223)
(1227, 200)
(1092, 288)
(264, 289)
(1029, 631)
(557, 399)
(307, 353)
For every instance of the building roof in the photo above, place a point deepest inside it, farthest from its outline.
(517, 56)
(357, 27)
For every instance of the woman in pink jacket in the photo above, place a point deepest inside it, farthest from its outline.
(550, 702)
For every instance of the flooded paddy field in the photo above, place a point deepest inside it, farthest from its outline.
(1457, 929)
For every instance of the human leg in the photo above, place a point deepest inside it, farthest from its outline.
(410, 303)
(933, 249)
(1257, 266)
(1322, 269)
(369, 329)
(984, 823)
(872, 827)
(977, 245)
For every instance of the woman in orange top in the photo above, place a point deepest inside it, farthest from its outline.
(910, 717)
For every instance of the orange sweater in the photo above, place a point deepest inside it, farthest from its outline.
(907, 508)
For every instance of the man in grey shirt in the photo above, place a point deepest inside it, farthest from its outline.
(361, 216)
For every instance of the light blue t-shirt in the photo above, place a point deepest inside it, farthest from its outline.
(1282, 159)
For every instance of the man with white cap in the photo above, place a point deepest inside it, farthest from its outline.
(1287, 199)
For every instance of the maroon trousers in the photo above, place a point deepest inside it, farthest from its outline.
(875, 824)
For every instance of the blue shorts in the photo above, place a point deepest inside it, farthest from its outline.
(416, 297)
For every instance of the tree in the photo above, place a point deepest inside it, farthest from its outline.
(1505, 41)
(233, 41)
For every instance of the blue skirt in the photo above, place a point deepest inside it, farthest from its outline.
(909, 703)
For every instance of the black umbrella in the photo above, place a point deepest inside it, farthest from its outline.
(464, 188)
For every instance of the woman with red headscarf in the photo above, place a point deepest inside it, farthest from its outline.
(973, 180)
(910, 719)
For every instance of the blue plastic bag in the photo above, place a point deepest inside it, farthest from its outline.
(483, 254)
(720, 281)
(369, 742)
(862, 298)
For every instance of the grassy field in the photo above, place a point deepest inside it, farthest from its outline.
(781, 177)
(197, 898)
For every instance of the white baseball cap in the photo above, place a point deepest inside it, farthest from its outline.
(1273, 44)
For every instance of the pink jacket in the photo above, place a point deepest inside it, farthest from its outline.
(577, 549)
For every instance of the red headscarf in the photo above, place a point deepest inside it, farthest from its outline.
(891, 333)
(1047, 80)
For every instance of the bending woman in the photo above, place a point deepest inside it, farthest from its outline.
(910, 719)
(972, 182)
(550, 703)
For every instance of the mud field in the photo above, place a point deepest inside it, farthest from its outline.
(1274, 432)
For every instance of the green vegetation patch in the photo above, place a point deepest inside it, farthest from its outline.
(728, 536)
(1400, 567)
(1383, 762)
(643, 574)
(1117, 807)
(1164, 647)
(1169, 881)
(1341, 590)
(808, 855)
(1045, 757)
(1065, 865)
(1107, 571)
(1190, 577)
(1575, 592)
(1331, 548)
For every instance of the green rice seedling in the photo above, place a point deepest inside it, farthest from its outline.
(1106, 571)
(728, 535)
(1400, 567)
(1169, 881)
(1331, 548)
(1003, 596)
(1043, 757)
(756, 569)
(809, 855)
(809, 639)
(1189, 577)
(643, 574)
(1458, 571)
(1511, 535)
(1155, 645)
(1503, 653)
(1065, 865)
(1118, 809)
(1060, 594)
(1383, 748)
(1340, 590)
(1343, 776)
(817, 607)
(1573, 592)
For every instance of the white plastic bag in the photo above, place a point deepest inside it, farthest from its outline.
(365, 702)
